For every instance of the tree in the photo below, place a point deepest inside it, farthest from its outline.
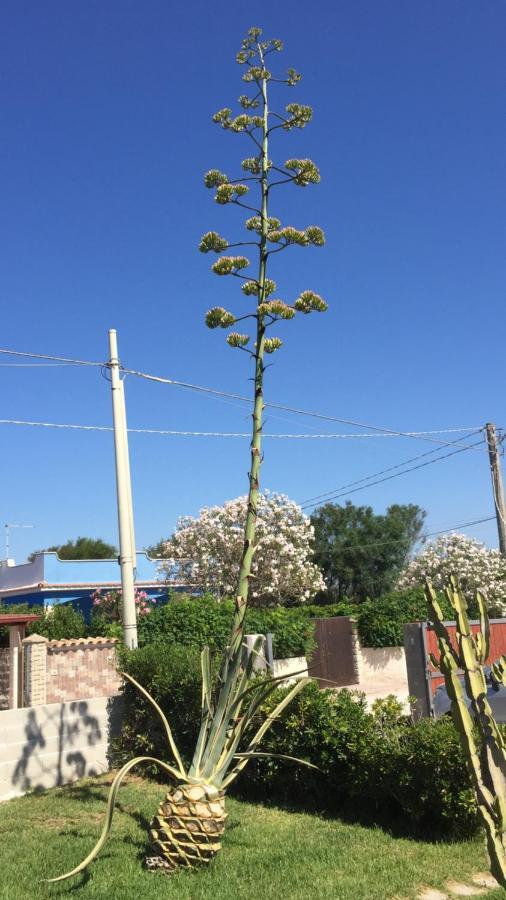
(82, 548)
(189, 823)
(476, 567)
(361, 553)
(282, 569)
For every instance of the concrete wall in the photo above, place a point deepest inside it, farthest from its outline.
(290, 666)
(47, 746)
(382, 671)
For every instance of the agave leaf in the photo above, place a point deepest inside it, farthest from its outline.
(207, 708)
(302, 762)
(172, 743)
(111, 802)
(260, 733)
(227, 710)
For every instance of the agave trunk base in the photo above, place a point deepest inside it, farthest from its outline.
(187, 828)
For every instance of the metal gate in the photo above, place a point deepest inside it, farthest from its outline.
(424, 678)
(334, 662)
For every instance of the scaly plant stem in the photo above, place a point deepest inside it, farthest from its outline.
(241, 600)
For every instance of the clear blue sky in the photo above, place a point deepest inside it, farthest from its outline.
(106, 131)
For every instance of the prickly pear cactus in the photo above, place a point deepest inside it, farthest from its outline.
(480, 736)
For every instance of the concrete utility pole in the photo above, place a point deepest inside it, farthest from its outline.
(497, 486)
(124, 494)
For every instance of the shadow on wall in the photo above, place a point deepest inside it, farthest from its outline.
(52, 745)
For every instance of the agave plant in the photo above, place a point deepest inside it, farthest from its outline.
(190, 821)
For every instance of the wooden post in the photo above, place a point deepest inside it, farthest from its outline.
(497, 486)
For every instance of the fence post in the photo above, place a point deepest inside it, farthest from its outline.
(35, 668)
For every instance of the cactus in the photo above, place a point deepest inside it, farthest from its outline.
(480, 737)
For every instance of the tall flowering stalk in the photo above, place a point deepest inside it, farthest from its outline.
(259, 122)
(190, 821)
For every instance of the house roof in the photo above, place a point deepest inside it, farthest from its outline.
(17, 619)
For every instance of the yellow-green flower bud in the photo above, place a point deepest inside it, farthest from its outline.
(222, 117)
(227, 193)
(310, 302)
(237, 340)
(252, 288)
(288, 235)
(293, 77)
(256, 73)
(227, 265)
(306, 172)
(217, 317)
(276, 308)
(315, 235)
(214, 178)
(272, 344)
(212, 241)
(300, 115)
(248, 102)
(255, 224)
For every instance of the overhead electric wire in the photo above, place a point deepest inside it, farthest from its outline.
(234, 434)
(418, 435)
(395, 475)
(383, 471)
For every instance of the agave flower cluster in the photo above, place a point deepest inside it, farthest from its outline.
(477, 568)
(256, 120)
(110, 604)
(282, 565)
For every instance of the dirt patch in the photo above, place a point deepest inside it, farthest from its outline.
(432, 894)
(464, 890)
(484, 879)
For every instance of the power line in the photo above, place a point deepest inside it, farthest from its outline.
(382, 471)
(378, 428)
(62, 359)
(223, 434)
(396, 474)
(425, 435)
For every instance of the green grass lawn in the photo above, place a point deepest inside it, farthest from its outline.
(267, 853)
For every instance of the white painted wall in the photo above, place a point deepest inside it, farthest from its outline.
(289, 667)
(382, 671)
(47, 746)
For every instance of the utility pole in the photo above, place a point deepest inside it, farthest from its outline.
(124, 496)
(497, 486)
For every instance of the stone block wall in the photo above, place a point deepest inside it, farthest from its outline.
(85, 667)
(5, 668)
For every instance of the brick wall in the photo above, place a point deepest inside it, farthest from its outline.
(5, 665)
(81, 668)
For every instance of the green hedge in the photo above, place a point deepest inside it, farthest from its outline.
(383, 766)
(377, 764)
(380, 622)
(203, 621)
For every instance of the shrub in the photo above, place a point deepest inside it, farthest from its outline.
(377, 764)
(205, 621)
(171, 674)
(59, 622)
(380, 622)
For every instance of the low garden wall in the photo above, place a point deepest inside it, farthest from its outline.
(382, 671)
(57, 671)
(53, 744)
